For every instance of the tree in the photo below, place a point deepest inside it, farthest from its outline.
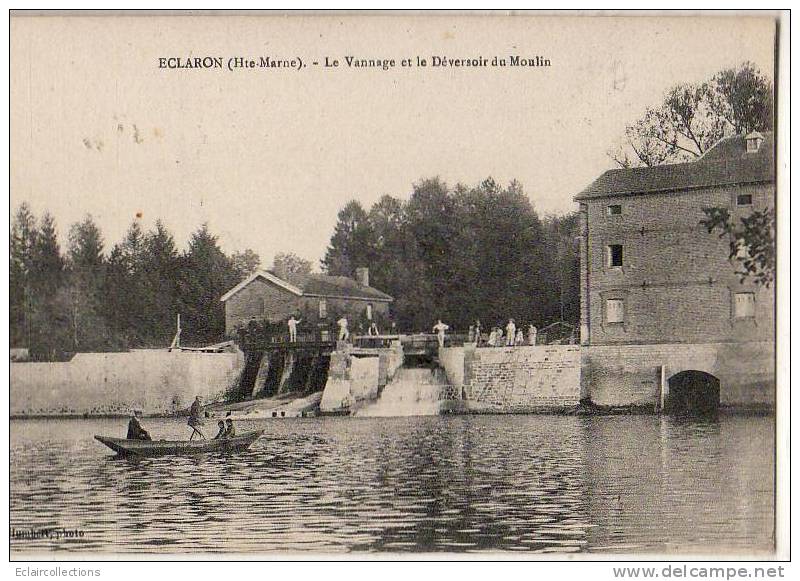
(124, 294)
(351, 243)
(464, 253)
(692, 118)
(245, 263)
(743, 97)
(752, 241)
(206, 274)
(83, 295)
(22, 243)
(286, 264)
(49, 324)
(160, 285)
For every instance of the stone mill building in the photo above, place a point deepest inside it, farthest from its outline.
(666, 321)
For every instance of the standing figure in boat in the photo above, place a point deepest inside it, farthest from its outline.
(194, 418)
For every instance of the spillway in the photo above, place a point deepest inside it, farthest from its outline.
(413, 391)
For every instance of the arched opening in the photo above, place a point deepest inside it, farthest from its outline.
(692, 393)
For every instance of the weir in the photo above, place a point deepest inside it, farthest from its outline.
(402, 375)
(425, 379)
(285, 369)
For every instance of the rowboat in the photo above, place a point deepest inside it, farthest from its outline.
(125, 447)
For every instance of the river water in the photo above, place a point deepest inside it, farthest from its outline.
(527, 484)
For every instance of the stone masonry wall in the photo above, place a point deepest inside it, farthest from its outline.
(676, 279)
(516, 379)
(262, 300)
(620, 375)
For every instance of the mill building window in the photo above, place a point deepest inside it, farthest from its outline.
(744, 305)
(614, 210)
(369, 312)
(615, 311)
(744, 200)
(614, 258)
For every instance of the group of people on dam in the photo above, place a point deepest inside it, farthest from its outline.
(512, 337)
(508, 335)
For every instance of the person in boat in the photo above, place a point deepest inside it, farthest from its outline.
(230, 431)
(194, 418)
(222, 430)
(135, 429)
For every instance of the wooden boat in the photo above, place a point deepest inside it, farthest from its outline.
(125, 447)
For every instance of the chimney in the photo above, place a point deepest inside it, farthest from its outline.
(362, 275)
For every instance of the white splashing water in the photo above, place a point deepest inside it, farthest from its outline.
(412, 392)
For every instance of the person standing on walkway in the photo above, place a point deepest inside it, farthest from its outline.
(532, 331)
(477, 333)
(293, 328)
(520, 337)
(439, 328)
(344, 334)
(511, 333)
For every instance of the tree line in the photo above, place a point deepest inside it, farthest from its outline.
(462, 253)
(457, 253)
(87, 299)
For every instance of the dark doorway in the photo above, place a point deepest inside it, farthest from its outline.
(692, 393)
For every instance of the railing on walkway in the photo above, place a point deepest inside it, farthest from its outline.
(270, 341)
(413, 343)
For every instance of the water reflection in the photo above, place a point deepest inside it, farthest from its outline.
(455, 483)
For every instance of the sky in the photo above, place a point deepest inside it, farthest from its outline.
(268, 157)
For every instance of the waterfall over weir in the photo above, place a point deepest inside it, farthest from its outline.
(413, 391)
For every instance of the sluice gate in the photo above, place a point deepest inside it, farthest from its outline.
(300, 368)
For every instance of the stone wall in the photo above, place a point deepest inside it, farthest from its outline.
(676, 280)
(158, 382)
(515, 379)
(620, 375)
(262, 300)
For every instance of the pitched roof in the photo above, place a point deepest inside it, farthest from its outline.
(333, 286)
(317, 285)
(726, 163)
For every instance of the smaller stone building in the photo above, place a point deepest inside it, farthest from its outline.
(318, 299)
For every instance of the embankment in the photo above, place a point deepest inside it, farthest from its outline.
(525, 379)
(155, 381)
